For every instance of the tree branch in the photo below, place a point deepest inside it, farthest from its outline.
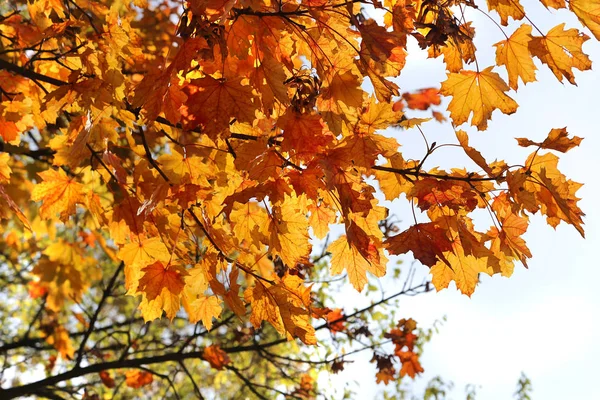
(27, 73)
(90, 329)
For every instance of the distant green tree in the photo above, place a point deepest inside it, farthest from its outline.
(524, 388)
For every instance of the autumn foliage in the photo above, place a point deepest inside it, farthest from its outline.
(190, 159)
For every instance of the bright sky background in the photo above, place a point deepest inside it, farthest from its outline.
(544, 320)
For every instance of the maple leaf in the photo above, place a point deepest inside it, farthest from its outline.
(5, 169)
(215, 356)
(558, 139)
(479, 93)
(60, 340)
(463, 140)
(250, 222)
(422, 99)
(559, 202)
(385, 375)
(59, 194)
(464, 270)
(392, 185)
(320, 218)
(430, 192)
(214, 102)
(137, 255)
(385, 368)
(428, 242)
(288, 314)
(339, 95)
(9, 130)
(410, 364)
(457, 51)
(106, 379)
(508, 239)
(556, 4)
(362, 150)
(304, 135)
(202, 156)
(587, 12)
(560, 50)
(205, 309)
(506, 9)
(272, 73)
(157, 277)
(345, 255)
(376, 116)
(335, 320)
(136, 379)
(548, 191)
(382, 48)
(514, 54)
(288, 229)
(166, 301)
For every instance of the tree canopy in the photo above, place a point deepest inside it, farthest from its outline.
(173, 175)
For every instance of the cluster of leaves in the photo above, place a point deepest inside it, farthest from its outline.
(201, 156)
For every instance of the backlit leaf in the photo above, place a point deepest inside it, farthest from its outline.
(479, 93)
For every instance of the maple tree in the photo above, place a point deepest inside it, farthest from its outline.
(176, 160)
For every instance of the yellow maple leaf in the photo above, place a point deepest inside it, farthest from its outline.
(514, 54)
(465, 272)
(144, 252)
(556, 4)
(285, 306)
(289, 232)
(346, 256)
(250, 221)
(393, 185)
(196, 281)
(560, 50)
(59, 194)
(588, 12)
(559, 201)
(320, 217)
(137, 255)
(65, 253)
(204, 309)
(479, 93)
(506, 9)
(61, 341)
(5, 169)
(377, 116)
(456, 52)
(166, 301)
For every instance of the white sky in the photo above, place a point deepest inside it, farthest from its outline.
(544, 320)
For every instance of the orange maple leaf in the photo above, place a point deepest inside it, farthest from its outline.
(422, 99)
(335, 320)
(157, 277)
(59, 194)
(428, 242)
(215, 356)
(106, 379)
(136, 379)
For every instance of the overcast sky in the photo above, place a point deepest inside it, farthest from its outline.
(543, 321)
